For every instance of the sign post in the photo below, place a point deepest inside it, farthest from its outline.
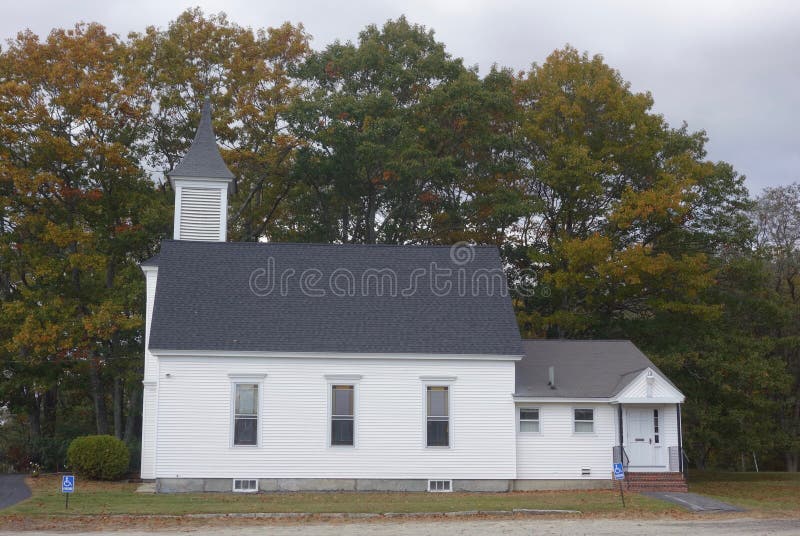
(67, 487)
(619, 475)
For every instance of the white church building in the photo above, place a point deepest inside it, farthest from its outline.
(287, 367)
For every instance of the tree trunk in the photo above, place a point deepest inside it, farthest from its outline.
(792, 459)
(369, 224)
(132, 414)
(34, 417)
(98, 395)
(701, 459)
(118, 407)
(50, 400)
(345, 225)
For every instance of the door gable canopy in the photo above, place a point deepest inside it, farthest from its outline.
(649, 387)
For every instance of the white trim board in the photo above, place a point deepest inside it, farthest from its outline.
(568, 400)
(557, 400)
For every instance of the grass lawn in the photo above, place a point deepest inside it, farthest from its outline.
(120, 498)
(766, 492)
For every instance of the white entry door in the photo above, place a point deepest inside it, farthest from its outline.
(643, 439)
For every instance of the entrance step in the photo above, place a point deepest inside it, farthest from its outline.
(655, 482)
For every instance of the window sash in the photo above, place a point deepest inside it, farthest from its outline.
(437, 411)
(343, 400)
(531, 427)
(529, 420)
(343, 415)
(583, 420)
(245, 431)
(438, 401)
(438, 433)
(342, 432)
(246, 397)
(245, 414)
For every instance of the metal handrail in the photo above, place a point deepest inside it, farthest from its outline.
(620, 456)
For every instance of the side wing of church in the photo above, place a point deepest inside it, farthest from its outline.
(287, 367)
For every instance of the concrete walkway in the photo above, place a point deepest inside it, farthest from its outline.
(693, 501)
(12, 490)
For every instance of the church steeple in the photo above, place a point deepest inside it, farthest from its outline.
(201, 182)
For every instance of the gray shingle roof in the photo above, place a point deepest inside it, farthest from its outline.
(204, 301)
(203, 160)
(583, 369)
(152, 261)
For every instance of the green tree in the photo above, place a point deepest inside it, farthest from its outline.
(395, 133)
(777, 218)
(248, 76)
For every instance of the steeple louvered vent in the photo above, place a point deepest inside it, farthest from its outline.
(201, 214)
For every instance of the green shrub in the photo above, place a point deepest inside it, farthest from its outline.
(99, 457)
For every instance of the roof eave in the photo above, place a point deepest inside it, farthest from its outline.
(232, 183)
(165, 352)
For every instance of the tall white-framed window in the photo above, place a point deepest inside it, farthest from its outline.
(529, 420)
(342, 410)
(583, 419)
(656, 431)
(246, 394)
(437, 416)
(343, 415)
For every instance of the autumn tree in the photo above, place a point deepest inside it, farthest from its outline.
(612, 223)
(616, 194)
(78, 213)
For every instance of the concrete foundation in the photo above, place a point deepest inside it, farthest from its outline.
(386, 484)
(561, 484)
(316, 484)
(496, 486)
(225, 485)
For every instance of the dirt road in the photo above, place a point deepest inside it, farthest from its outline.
(516, 527)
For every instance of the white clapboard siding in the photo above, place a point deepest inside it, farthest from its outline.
(194, 420)
(150, 377)
(149, 413)
(200, 213)
(557, 452)
(668, 425)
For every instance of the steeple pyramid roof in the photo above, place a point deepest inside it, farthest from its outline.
(203, 160)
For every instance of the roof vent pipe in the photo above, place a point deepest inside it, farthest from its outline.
(552, 375)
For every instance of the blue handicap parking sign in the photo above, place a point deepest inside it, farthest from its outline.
(67, 484)
(619, 472)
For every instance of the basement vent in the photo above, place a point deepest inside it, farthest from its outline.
(585, 471)
(245, 485)
(200, 214)
(439, 486)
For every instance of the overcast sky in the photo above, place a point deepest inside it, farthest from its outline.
(731, 68)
